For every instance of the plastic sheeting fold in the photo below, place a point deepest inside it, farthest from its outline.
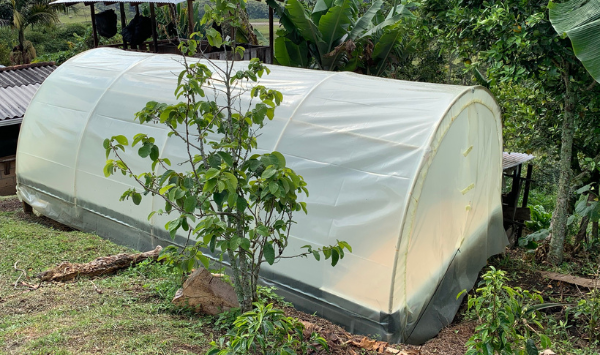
(408, 173)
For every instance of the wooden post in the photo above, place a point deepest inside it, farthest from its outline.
(123, 22)
(527, 185)
(190, 11)
(93, 15)
(271, 33)
(525, 195)
(154, 35)
(137, 9)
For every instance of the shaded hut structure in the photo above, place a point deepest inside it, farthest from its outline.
(141, 34)
(515, 199)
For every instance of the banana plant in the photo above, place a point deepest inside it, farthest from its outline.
(332, 36)
(580, 20)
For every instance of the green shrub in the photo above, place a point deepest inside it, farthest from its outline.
(507, 317)
(266, 330)
(588, 310)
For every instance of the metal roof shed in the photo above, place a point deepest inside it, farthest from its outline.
(250, 52)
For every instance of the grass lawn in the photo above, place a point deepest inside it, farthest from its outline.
(132, 315)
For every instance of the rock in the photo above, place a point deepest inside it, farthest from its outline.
(206, 293)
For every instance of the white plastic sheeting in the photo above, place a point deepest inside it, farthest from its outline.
(408, 173)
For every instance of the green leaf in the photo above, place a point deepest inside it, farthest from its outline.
(241, 204)
(226, 158)
(190, 204)
(335, 256)
(316, 255)
(232, 180)
(280, 159)
(145, 149)
(106, 144)
(269, 253)
(211, 173)
(136, 197)
(263, 230)
(580, 20)
(334, 24)
(214, 37)
(531, 348)
(121, 140)
(304, 24)
(365, 21)
(345, 245)
(385, 46)
(204, 260)
(108, 168)
(290, 54)
(273, 187)
(268, 173)
(154, 152)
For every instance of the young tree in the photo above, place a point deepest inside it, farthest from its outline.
(514, 42)
(27, 13)
(234, 203)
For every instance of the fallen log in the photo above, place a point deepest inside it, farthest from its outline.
(574, 280)
(66, 271)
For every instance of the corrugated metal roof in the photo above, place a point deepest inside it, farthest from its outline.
(18, 84)
(14, 100)
(25, 74)
(510, 160)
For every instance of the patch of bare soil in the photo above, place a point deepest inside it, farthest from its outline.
(43, 220)
(450, 341)
(10, 204)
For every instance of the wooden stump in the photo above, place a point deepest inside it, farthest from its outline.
(206, 293)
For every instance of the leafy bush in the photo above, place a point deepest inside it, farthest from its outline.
(507, 317)
(588, 310)
(4, 55)
(266, 330)
(540, 219)
(333, 35)
(232, 202)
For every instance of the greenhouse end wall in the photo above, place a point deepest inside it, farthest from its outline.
(408, 173)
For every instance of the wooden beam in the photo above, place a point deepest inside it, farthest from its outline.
(271, 32)
(123, 22)
(190, 11)
(93, 15)
(154, 34)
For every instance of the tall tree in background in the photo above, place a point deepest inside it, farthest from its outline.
(27, 13)
(513, 41)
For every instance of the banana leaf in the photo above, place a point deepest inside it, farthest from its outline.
(334, 24)
(392, 18)
(290, 54)
(580, 20)
(365, 21)
(384, 47)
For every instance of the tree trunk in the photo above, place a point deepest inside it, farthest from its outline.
(22, 40)
(560, 215)
(594, 231)
(585, 221)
